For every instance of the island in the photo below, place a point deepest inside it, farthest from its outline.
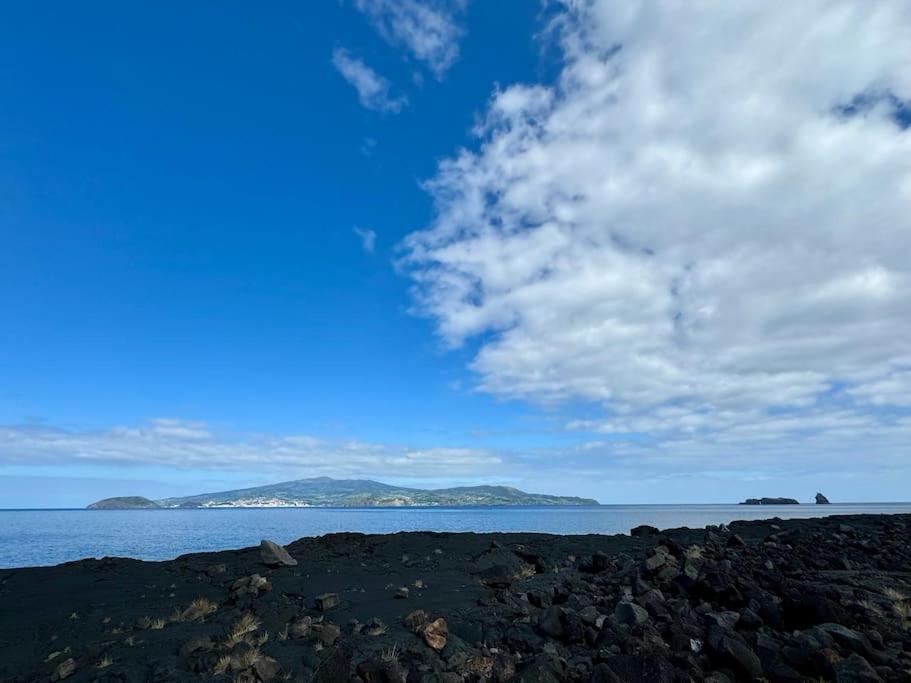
(125, 503)
(770, 501)
(328, 492)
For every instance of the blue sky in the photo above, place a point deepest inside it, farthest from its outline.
(451, 242)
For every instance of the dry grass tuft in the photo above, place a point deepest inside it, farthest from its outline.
(158, 624)
(198, 610)
(104, 662)
(390, 654)
(222, 665)
(249, 658)
(244, 626)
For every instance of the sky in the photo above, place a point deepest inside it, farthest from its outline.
(641, 252)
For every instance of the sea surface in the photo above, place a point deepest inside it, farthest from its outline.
(46, 537)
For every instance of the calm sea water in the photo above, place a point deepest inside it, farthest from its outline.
(46, 537)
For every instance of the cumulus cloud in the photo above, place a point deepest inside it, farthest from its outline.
(191, 445)
(428, 29)
(368, 239)
(373, 91)
(702, 226)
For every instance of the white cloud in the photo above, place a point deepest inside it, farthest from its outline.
(702, 225)
(368, 239)
(428, 29)
(190, 445)
(373, 91)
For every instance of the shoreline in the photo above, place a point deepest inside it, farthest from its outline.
(728, 602)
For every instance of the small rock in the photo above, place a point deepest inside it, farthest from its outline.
(402, 593)
(196, 644)
(551, 621)
(250, 585)
(64, 669)
(326, 601)
(435, 634)
(631, 614)
(415, 620)
(329, 633)
(300, 628)
(267, 669)
(274, 555)
(374, 627)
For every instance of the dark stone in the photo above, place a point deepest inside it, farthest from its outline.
(551, 622)
(808, 610)
(821, 499)
(734, 541)
(602, 674)
(630, 614)
(644, 530)
(731, 651)
(381, 671)
(856, 669)
(637, 669)
(334, 667)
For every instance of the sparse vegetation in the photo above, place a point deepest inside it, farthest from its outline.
(158, 624)
(222, 665)
(104, 662)
(242, 628)
(198, 610)
(390, 654)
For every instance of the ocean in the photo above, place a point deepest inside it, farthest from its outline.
(46, 537)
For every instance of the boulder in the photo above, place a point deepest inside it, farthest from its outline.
(274, 555)
(630, 614)
(643, 530)
(856, 669)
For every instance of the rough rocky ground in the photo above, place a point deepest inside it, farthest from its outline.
(801, 600)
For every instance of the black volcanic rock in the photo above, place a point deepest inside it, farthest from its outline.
(125, 503)
(821, 499)
(770, 501)
(758, 600)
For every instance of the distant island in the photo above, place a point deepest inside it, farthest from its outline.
(327, 492)
(820, 500)
(124, 503)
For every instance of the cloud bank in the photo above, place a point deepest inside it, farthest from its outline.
(188, 445)
(702, 227)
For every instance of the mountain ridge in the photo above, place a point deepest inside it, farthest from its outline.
(328, 492)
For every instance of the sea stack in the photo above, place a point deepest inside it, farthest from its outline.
(821, 499)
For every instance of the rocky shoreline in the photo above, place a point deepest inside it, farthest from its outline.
(825, 599)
